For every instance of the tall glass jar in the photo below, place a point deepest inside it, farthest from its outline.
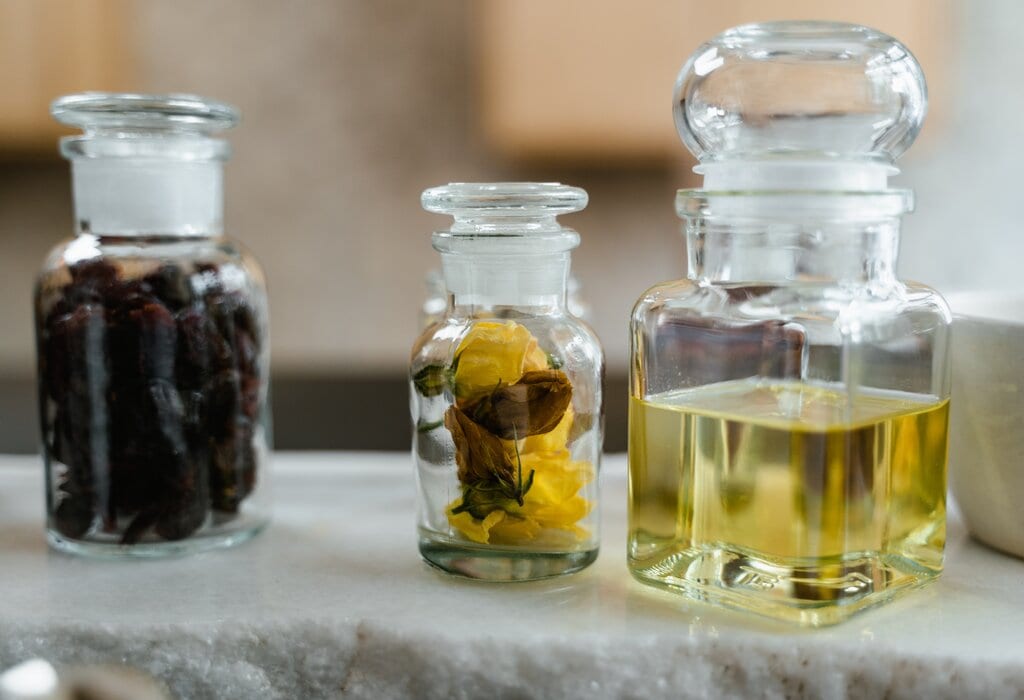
(507, 391)
(788, 418)
(152, 342)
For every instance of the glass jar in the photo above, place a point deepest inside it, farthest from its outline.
(789, 399)
(152, 339)
(506, 391)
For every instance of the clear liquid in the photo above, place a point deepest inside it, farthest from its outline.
(793, 500)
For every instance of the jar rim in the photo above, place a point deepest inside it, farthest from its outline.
(176, 112)
(526, 199)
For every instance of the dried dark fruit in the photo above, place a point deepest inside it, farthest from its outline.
(179, 524)
(66, 367)
(195, 346)
(139, 525)
(223, 395)
(187, 512)
(170, 285)
(233, 473)
(157, 340)
(168, 420)
(245, 320)
(92, 281)
(150, 392)
(73, 515)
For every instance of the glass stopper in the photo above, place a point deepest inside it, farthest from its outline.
(809, 91)
(509, 199)
(509, 217)
(127, 125)
(93, 111)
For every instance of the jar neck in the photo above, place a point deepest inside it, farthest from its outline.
(148, 196)
(536, 284)
(784, 252)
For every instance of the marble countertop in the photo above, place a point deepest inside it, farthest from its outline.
(334, 601)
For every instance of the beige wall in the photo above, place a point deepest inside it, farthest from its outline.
(350, 109)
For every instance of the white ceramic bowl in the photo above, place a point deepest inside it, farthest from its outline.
(986, 451)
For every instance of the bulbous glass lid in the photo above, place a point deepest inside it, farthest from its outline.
(800, 91)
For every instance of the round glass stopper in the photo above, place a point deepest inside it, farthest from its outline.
(800, 90)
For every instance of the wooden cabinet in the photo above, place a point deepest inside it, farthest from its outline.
(52, 47)
(591, 80)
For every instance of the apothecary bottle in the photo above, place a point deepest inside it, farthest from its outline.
(152, 338)
(788, 417)
(506, 391)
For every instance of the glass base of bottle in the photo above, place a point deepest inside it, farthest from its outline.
(824, 592)
(492, 563)
(200, 542)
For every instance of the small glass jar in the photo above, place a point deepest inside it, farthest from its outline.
(506, 391)
(152, 339)
(789, 408)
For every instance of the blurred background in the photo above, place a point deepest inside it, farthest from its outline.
(351, 108)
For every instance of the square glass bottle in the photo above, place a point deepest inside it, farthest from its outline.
(789, 408)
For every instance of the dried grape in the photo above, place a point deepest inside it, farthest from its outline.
(150, 389)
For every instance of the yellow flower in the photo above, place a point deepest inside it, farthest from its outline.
(470, 527)
(552, 440)
(551, 509)
(514, 530)
(535, 357)
(491, 352)
(494, 353)
(559, 476)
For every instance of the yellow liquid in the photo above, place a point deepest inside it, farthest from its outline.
(789, 499)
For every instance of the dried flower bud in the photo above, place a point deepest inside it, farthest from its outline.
(431, 380)
(482, 502)
(532, 406)
(480, 456)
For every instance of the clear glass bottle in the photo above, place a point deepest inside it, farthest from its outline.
(152, 341)
(506, 391)
(789, 399)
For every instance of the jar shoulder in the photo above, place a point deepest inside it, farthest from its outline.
(137, 257)
(140, 250)
(436, 344)
(678, 292)
(922, 298)
(563, 338)
(760, 301)
(676, 297)
(177, 272)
